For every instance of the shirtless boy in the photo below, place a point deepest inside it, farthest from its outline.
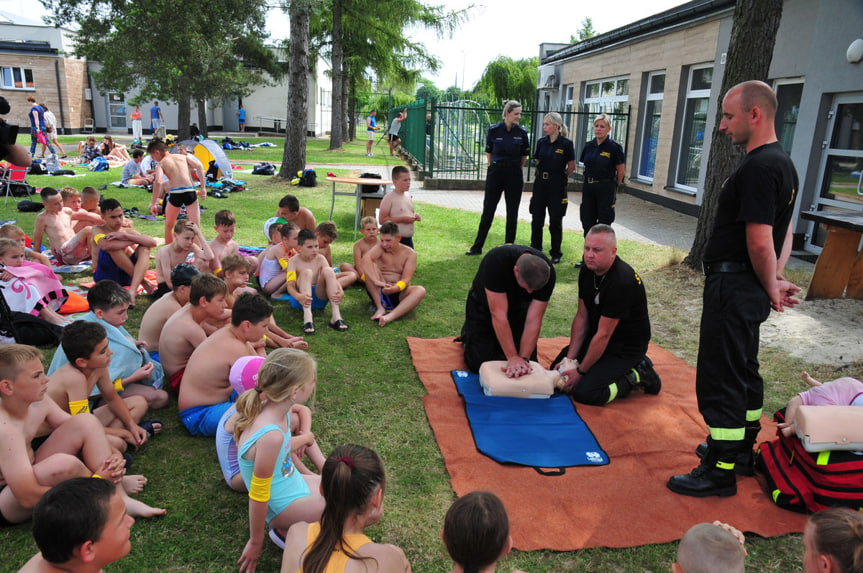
(80, 526)
(290, 210)
(26, 475)
(398, 206)
(327, 233)
(369, 230)
(169, 256)
(235, 268)
(224, 244)
(86, 347)
(389, 269)
(274, 261)
(183, 332)
(308, 274)
(122, 254)
(206, 392)
(69, 247)
(158, 313)
(90, 200)
(180, 191)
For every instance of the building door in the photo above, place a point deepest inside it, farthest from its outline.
(116, 112)
(841, 172)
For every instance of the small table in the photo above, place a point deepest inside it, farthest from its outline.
(358, 193)
(839, 268)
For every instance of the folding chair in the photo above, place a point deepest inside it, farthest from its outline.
(13, 182)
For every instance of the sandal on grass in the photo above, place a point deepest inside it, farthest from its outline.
(149, 427)
(309, 328)
(339, 325)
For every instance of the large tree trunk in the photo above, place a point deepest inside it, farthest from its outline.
(294, 157)
(337, 121)
(750, 51)
(184, 116)
(202, 117)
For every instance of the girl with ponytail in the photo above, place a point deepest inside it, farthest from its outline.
(352, 483)
(833, 542)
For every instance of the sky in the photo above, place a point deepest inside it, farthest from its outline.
(464, 56)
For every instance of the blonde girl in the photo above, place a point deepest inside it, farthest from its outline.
(20, 294)
(279, 495)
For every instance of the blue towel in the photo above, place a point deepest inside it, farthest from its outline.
(537, 433)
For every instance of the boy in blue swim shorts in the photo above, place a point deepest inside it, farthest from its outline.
(307, 272)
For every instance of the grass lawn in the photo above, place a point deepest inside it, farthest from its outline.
(368, 393)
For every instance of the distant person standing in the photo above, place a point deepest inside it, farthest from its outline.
(137, 125)
(51, 131)
(241, 117)
(393, 139)
(506, 148)
(157, 120)
(371, 128)
(603, 160)
(37, 126)
(555, 162)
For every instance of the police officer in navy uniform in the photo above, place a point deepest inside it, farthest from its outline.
(743, 263)
(506, 147)
(603, 160)
(555, 162)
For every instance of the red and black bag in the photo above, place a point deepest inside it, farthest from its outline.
(810, 481)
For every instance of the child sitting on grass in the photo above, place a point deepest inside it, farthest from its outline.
(169, 256)
(709, 547)
(158, 313)
(21, 285)
(274, 261)
(80, 526)
(307, 274)
(290, 210)
(476, 532)
(27, 474)
(223, 244)
(327, 233)
(109, 306)
(86, 346)
(369, 230)
(31, 257)
(69, 246)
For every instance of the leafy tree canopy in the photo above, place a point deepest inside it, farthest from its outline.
(586, 32)
(505, 79)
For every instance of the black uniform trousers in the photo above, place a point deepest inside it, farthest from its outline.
(478, 336)
(508, 180)
(548, 194)
(727, 382)
(605, 381)
(597, 203)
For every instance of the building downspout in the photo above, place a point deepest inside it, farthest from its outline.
(60, 97)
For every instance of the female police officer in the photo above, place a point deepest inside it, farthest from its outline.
(603, 161)
(506, 147)
(555, 162)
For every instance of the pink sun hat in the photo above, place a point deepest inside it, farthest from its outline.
(244, 373)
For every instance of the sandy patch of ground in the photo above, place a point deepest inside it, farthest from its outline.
(820, 331)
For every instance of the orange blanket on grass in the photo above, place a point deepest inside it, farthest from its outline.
(624, 504)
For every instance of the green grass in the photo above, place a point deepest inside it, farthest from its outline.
(369, 393)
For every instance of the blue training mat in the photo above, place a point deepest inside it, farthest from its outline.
(536, 433)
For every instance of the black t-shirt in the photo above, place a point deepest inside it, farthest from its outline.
(761, 190)
(619, 294)
(601, 161)
(496, 274)
(506, 145)
(553, 157)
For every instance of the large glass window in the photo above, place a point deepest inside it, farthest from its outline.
(788, 96)
(694, 127)
(606, 96)
(650, 131)
(17, 78)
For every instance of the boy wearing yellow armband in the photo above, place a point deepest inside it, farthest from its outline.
(307, 274)
(389, 268)
(71, 385)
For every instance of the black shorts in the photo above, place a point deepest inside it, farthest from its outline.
(393, 137)
(184, 198)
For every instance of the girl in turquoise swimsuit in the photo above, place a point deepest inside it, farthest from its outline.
(279, 495)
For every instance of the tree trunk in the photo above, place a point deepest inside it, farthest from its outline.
(202, 117)
(337, 119)
(184, 116)
(750, 51)
(294, 157)
(348, 93)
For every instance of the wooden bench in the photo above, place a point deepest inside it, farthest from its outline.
(839, 268)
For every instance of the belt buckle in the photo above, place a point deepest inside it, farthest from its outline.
(545, 175)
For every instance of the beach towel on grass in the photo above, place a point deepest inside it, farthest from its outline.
(536, 433)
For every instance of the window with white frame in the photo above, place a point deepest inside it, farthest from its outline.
(15, 78)
(694, 126)
(606, 96)
(650, 130)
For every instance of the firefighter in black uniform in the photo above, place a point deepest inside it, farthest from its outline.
(555, 162)
(506, 147)
(743, 264)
